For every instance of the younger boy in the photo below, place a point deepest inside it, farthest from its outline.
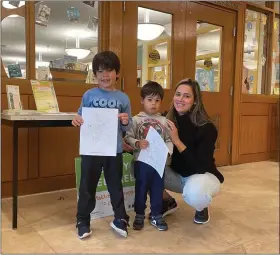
(106, 68)
(147, 178)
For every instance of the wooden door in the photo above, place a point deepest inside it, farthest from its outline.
(210, 60)
(200, 45)
(159, 59)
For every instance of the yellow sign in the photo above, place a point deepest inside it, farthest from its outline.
(154, 57)
(44, 96)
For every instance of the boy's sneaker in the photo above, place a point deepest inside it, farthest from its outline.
(83, 230)
(202, 217)
(159, 222)
(120, 226)
(138, 223)
(169, 206)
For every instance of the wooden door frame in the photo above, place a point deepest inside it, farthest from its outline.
(240, 10)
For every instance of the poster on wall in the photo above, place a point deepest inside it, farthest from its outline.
(13, 96)
(73, 14)
(103, 206)
(14, 71)
(205, 79)
(43, 14)
(45, 97)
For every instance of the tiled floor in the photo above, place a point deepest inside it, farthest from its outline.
(244, 219)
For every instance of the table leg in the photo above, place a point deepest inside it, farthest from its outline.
(15, 175)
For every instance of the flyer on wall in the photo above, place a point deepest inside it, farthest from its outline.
(14, 102)
(45, 97)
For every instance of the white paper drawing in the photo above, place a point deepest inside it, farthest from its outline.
(156, 153)
(98, 133)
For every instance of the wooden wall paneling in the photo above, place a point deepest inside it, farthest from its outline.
(246, 98)
(30, 40)
(255, 109)
(71, 89)
(24, 86)
(116, 32)
(33, 145)
(32, 186)
(3, 72)
(254, 134)
(7, 147)
(239, 48)
(247, 158)
(59, 146)
(189, 43)
(274, 133)
(103, 28)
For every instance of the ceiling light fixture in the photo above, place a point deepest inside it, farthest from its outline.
(77, 52)
(40, 62)
(148, 31)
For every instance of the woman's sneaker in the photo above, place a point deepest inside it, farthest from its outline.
(202, 217)
(83, 230)
(169, 206)
(120, 226)
(138, 223)
(159, 222)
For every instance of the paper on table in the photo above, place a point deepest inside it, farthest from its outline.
(156, 153)
(98, 134)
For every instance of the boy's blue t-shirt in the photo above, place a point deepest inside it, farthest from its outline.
(100, 98)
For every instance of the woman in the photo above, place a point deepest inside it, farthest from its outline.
(192, 172)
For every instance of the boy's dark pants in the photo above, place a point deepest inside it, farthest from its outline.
(147, 180)
(90, 173)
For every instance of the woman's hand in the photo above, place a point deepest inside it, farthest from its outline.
(173, 132)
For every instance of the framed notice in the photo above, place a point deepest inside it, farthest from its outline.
(45, 97)
(14, 102)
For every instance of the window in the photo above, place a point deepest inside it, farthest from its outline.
(154, 47)
(13, 41)
(275, 79)
(66, 36)
(276, 6)
(254, 58)
(208, 56)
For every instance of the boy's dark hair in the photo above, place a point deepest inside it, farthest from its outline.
(107, 60)
(152, 88)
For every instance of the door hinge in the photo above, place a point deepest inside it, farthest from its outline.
(234, 31)
(124, 6)
(231, 90)
(229, 148)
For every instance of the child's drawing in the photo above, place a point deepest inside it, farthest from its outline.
(98, 134)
